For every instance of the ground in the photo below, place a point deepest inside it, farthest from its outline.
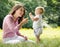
(49, 38)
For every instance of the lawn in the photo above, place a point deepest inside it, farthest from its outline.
(49, 38)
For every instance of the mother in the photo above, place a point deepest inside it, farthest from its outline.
(12, 23)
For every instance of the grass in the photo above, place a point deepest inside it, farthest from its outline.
(49, 38)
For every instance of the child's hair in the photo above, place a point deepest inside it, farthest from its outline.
(40, 7)
(13, 10)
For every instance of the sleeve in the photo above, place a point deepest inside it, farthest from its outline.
(10, 24)
(18, 33)
(17, 27)
(36, 16)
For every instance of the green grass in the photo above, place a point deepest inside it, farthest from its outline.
(49, 38)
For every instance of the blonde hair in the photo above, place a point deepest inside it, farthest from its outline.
(40, 7)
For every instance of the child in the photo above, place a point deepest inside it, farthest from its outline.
(12, 23)
(37, 22)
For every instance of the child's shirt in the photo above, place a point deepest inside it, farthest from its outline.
(38, 23)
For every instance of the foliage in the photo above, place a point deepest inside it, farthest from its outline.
(51, 14)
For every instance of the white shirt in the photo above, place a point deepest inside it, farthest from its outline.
(38, 23)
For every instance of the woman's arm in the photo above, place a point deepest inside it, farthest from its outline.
(22, 23)
(21, 35)
(10, 24)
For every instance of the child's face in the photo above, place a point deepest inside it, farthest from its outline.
(38, 11)
(20, 12)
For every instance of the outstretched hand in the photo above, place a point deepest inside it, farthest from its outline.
(30, 14)
(25, 20)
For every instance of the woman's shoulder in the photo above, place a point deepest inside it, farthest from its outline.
(8, 17)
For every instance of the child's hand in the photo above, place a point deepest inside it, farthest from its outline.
(30, 14)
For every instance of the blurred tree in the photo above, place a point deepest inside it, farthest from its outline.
(51, 15)
(5, 6)
(53, 12)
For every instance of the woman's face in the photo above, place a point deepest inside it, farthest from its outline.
(20, 12)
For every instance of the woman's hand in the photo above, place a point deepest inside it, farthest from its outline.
(25, 38)
(25, 20)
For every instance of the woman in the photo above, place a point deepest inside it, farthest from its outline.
(12, 23)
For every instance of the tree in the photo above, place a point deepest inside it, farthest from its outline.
(51, 15)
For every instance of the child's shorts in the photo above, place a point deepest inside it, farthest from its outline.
(38, 31)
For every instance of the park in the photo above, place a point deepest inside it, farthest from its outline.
(50, 36)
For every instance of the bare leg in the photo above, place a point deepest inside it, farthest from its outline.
(37, 39)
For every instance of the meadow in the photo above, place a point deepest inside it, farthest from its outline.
(49, 38)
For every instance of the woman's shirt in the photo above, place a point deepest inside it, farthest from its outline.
(10, 27)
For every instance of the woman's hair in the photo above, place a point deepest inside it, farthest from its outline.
(13, 10)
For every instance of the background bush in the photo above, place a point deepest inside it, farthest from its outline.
(51, 15)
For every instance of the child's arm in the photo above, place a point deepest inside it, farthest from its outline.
(32, 17)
